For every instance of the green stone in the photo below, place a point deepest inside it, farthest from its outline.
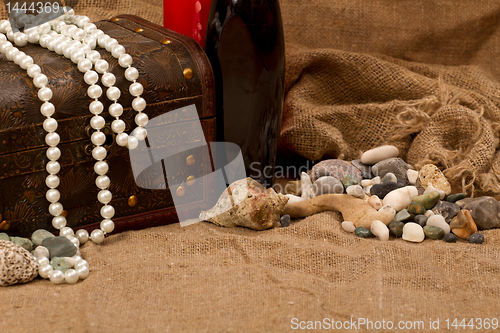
(428, 200)
(348, 180)
(396, 228)
(402, 215)
(22, 242)
(59, 247)
(39, 235)
(362, 232)
(433, 232)
(60, 263)
(416, 208)
(4, 236)
(455, 197)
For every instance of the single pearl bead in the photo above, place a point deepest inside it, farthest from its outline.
(26, 61)
(53, 154)
(85, 48)
(94, 91)
(79, 34)
(116, 109)
(66, 231)
(59, 222)
(67, 49)
(71, 276)
(108, 79)
(117, 50)
(53, 195)
(52, 139)
(47, 109)
(139, 104)
(98, 138)
(107, 226)
(42, 261)
(59, 47)
(4, 46)
(96, 107)
(33, 36)
(56, 276)
(3, 38)
(76, 55)
(52, 181)
(125, 60)
(55, 209)
(132, 142)
(10, 34)
(83, 272)
(88, 27)
(101, 168)
(45, 94)
(9, 53)
(101, 39)
(113, 93)
(131, 73)
(93, 56)
(68, 30)
(84, 65)
(91, 77)
(33, 70)
(73, 240)
(140, 133)
(136, 89)
(50, 124)
(141, 119)
(44, 270)
(20, 39)
(18, 57)
(107, 211)
(51, 43)
(82, 235)
(102, 182)
(53, 167)
(109, 43)
(101, 66)
(4, 24)
(97, 122)
(97, 236)
(118, 126)
(99, 153)
(104, 196)
(122, 139)
(90, 41)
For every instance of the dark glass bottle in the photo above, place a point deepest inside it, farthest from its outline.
(245, 45)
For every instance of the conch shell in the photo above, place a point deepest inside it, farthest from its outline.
(246, 203)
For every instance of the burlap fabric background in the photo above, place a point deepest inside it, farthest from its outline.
(353, 67)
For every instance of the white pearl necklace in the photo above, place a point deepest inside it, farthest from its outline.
(75, 37)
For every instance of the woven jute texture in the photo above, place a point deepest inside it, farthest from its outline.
(422, 75)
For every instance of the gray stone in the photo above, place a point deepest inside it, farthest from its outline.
(25, 243)
(476, 238)
(59, 247)
(421, 220)
(39, 235)
(485, 211)
(4, 236)
(381, 190)
(450, 238)
(389, 177)
(335, 168)
(327, 185)
(60, 264)
(396, 228)
(402, 215)
(366, 170)
(285, 221)
(447, 209)
(394, 165)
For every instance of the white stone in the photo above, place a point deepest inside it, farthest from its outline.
(378, 154)
(348, 226)
(71, 261)
(412, 176)
(379, 229)
(293, 199)
(413, 232)
(401, 197)
(439, 221)
(375, 202)
(429, 213)
(390, 177)
(306, 185)
(388, 209)
(367, 182)
(376, 180)
(367, 189)
(431, 188)
(355, 191)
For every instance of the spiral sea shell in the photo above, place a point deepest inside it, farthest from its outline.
(17, 265)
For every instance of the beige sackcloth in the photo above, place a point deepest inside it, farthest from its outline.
(422, 75)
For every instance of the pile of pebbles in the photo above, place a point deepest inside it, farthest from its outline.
(422, 202)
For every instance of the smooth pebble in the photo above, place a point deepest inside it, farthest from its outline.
(378, 154)
(356, 191)
(412, 232)
(412, 176)
(400, 198)
(375, 202)
(438, 221)
(348, 226)
(379, 229)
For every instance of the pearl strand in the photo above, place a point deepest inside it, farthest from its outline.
(81, 267)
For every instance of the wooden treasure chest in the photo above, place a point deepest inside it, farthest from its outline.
(175, 74)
